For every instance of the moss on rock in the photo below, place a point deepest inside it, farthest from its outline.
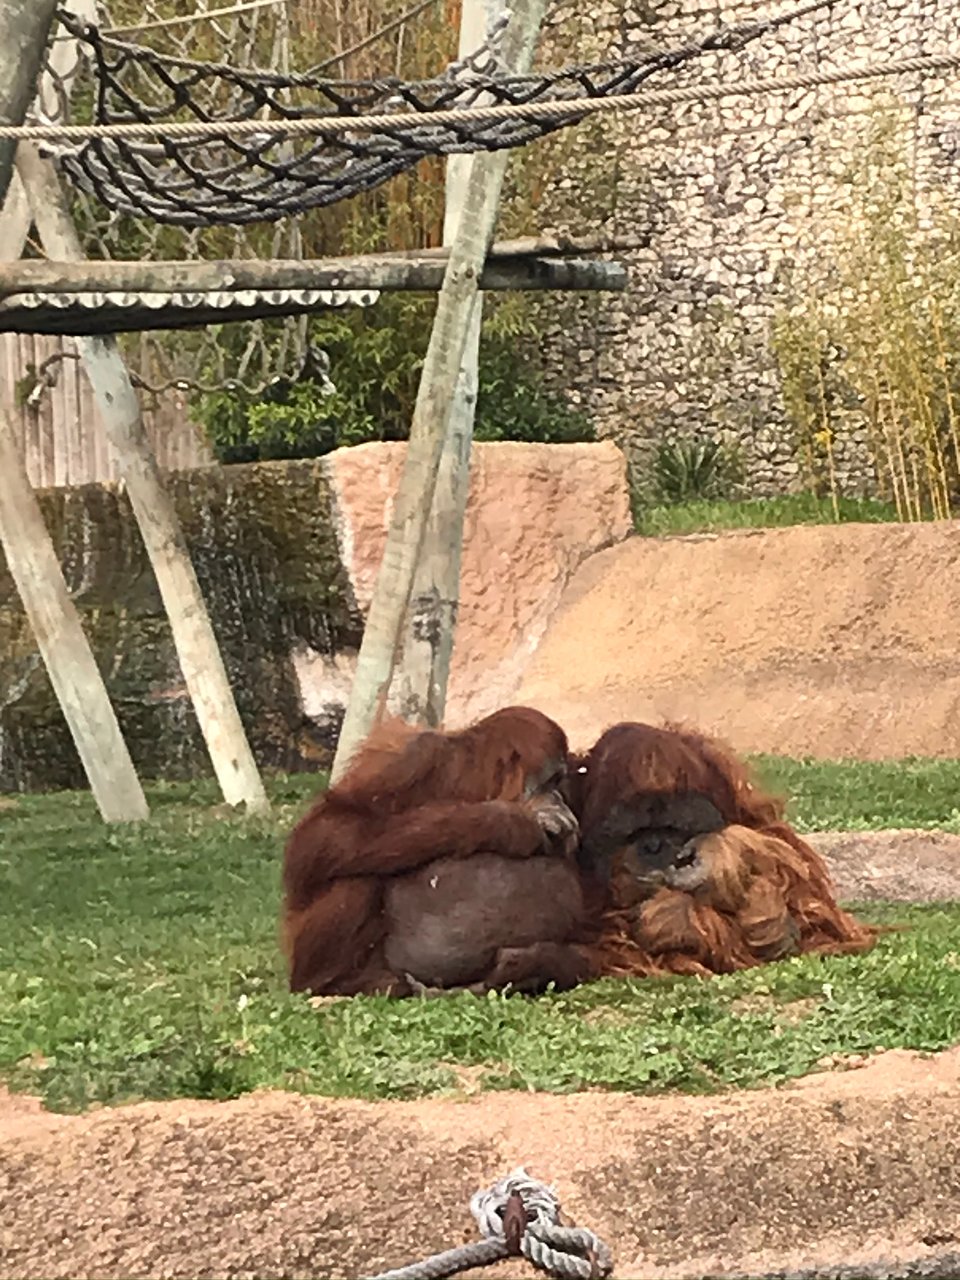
(263, 542)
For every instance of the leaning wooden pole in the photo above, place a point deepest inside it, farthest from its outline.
(63, 62)
(418, 692)
(24, 31)
(119, 407)
(428, 431)
(30, 554)
(71, 666)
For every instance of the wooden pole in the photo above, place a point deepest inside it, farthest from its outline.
(76, 679)
(419, 689)
(24, 29)
(193, 635)
(428, 431)
(30, 554)
(64, 62)
(421, 273)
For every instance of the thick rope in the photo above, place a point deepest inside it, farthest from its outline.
(569, 1253)
(334, 126)
(199, 15)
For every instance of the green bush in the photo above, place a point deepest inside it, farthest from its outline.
(695, 469)
(375, 359)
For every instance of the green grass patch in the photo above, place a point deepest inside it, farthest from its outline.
(705, 515)
(854, 795)
(142, 962)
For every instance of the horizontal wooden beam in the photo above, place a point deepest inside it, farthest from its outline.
(381, 272)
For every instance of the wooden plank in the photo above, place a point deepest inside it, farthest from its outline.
(71, 426)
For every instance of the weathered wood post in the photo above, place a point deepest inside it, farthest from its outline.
(419, 689)
(430, 426)
(24, 30)
(30, 553)
(119, 407)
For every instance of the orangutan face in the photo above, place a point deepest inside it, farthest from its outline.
(655, 839)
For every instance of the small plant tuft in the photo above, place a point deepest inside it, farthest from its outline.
(686, 469)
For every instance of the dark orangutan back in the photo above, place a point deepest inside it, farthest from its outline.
(447, 922)
(420, 811)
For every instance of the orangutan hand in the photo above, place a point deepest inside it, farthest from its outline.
(561, 831)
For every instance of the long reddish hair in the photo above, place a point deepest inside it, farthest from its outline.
(400, 764)
(769, 892)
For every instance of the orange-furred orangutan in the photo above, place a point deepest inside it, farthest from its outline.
(439, 861)
(691, 866)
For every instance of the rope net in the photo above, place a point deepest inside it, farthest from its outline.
(223, 179)
(256, 357)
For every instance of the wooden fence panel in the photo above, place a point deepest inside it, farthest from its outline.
(61, 436)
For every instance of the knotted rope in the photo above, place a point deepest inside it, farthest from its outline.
(518, 1215)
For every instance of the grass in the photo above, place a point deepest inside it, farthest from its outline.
(142, 962)
(706, 515)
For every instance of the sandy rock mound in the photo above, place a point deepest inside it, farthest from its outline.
(892, 866)
(820, 641)
(837, 1168)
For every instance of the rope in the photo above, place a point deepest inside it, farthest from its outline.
(518, 1215)
(378, 35)
(227, 160)
(200, 15)
(336, 126)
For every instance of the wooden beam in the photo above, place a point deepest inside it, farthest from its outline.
(193, 635)
(30, 554)
(419, 686)
(55, 623)
(24, 28)
(63, 62)
(382, 272)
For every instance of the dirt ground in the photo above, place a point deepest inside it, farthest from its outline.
(831, 642)
(899, 866)
(846, 1167)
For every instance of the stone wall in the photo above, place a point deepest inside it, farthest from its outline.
(738, 205)
(286, 554)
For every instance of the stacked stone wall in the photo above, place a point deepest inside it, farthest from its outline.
(736, 207)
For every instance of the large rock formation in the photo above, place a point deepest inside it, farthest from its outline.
(286, 554)
(534, 514)
(836, 641)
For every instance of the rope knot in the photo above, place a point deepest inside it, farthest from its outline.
(524, 1214)
(518, 1216)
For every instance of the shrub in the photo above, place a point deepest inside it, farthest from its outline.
(375, 358)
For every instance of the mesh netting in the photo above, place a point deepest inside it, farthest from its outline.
(264, 177)
(254, 356)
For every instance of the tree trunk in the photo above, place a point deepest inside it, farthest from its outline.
(430, 426)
